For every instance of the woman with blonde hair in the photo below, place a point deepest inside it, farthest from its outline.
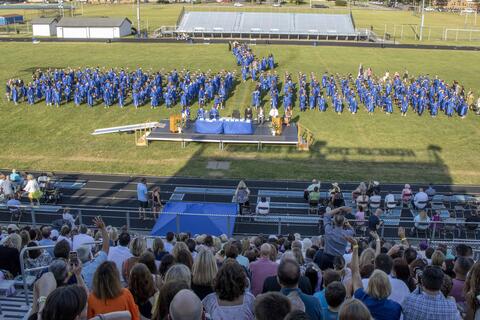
(179, 246)
(367, 257)
(241, 196)
(204, 272)
(108, 295)
(33, 190)
(438, 258)
(137, 247)
(375, 296)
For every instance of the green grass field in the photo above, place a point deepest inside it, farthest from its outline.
(388, 148)
(404, 26)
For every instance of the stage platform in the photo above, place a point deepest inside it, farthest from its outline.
(262, 135)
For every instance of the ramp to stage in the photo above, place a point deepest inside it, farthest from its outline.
(127, 128)
(272, 23)
(196, 218)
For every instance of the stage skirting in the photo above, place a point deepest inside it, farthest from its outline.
(225, 126)
(196, 218)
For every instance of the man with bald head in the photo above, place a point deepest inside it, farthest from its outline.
(262, 268)
(186, 306)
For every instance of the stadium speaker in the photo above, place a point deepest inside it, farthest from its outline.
(236, 114)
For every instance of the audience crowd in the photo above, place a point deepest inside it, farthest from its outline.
(335, 276)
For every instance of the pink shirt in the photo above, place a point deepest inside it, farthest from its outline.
(261, 269)
(360, 215)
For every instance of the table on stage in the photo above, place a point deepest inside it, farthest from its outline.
(225, 126)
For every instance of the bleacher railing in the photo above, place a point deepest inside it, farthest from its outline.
(309, 224)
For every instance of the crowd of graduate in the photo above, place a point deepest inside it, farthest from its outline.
(251, 66)
(421, 94)
(95, 86)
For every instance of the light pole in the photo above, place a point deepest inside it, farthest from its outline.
(423, 20)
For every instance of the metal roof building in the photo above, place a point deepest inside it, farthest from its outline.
(93, 28)
(267, 24)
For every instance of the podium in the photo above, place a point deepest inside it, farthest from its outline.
(277, 124)
(175, 122)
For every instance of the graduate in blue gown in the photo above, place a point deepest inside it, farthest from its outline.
(462, 109)
(303, 102)
(214, 114)
(404, 106)
(136, 98)
(388, 105)
(434, 109)
(31, 95)
(15, 94)
(201, 113)
(322, 105)
(256, 98)
(312, 101)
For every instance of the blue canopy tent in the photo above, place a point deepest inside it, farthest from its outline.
(196, 218)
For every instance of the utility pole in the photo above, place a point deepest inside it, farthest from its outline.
(138, 17)
(423, 20)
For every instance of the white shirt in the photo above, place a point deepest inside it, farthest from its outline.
(375, 199)
(263, 207)
(31, 186)
(390, 198)
(421, 224)
(68, 217)
(81, 239)
(399, 289)
(273, 113)
(420, 197)
(61, 238)
(118, 255)
(168, 247)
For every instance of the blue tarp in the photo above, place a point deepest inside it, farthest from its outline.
(209, 127)
(208, 218)
(223, 126)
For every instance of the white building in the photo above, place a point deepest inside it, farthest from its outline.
(93, 28)
(44, 27)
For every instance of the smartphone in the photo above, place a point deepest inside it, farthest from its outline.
(73, 258)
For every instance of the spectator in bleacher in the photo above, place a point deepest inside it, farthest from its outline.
(68, 218)
(184, 257)
(15, 178)
(472, 293)
(142, 288)
(142, 198)
(61, 250)
(401, 271)
(158, 249)
(82, 238)
(472, 221)
(271, 306)
(179, 272)
(399, 290)
(272, 284)
(170, 241)
(377, 292)
(230, 299)
(262, 268)
(33, 190)
(90, 264)
(374, 222)
(373, 188)
(335, 233)
(165, 297)
(148, 259)
(263, 206)
(362, 201)
(430, 191)
(461, 268)
(335, 294)
(288, 277)
(420, 200)
(406, 194)
(37, 258)
(310, 188)
(25, 236)
(108, 295)
(10, 254)
(185, 305)
(6, 188)
(361, 189)
(165, 264)
(65, 303)
(427, 302)
(329, 276)
(65, 235)
(375, 200)
(137, 247)
(438, 258)
(46, 241)
(204, 272)
(354, 309)
(118, 254)
(421, 221)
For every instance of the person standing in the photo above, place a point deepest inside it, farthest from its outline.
(142, 197)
